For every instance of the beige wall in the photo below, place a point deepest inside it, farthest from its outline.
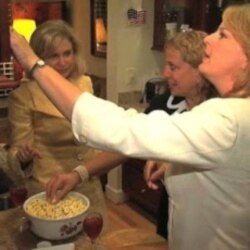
(81, 24)
(129, 47)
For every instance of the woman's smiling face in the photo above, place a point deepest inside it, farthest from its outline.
(181, 77)
(63, 58)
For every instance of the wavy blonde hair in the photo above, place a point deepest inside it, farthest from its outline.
(237, 19)
(48, 35)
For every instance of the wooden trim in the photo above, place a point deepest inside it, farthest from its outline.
(5, 17)
(159, 34)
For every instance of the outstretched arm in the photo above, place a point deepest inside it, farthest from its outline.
(60, 184)
(104, 125)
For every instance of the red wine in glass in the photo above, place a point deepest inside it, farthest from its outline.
(92, 225)
(18, 195)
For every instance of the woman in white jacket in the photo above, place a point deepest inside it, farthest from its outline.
(210, 200)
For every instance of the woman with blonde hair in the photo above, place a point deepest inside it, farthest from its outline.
(41, 139)
(186, 88)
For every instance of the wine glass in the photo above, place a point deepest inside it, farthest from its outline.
(18, 194)
(92, 225)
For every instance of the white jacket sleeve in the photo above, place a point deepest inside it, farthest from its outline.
(200, 137)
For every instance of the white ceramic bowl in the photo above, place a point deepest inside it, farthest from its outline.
(56, 229)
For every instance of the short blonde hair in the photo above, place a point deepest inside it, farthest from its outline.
(191, 46)
(237, 19)
(45, 39)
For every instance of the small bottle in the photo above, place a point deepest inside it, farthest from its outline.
(5, 202)
(175, 16)
(168, 17)
(171, 24)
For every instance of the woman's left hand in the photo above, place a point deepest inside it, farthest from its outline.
(26, 153)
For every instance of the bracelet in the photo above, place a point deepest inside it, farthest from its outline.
(83, 172)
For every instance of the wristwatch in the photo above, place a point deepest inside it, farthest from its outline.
(39, 64)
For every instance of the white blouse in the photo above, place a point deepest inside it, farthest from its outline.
(210, 186)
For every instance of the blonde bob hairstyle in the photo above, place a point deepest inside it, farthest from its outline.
(49, 34)
(237, 20)
(190, 45)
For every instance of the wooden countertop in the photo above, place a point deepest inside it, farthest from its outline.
(131, 239)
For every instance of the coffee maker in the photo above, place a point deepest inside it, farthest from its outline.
(153, 87)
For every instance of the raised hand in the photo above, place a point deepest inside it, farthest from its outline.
(22, 50)
(59, 185)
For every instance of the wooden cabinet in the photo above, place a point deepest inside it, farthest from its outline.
(201, 15)
(135, 186)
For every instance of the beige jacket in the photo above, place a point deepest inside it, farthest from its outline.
(34, 119)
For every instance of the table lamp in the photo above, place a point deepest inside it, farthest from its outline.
(101, 34)
(25, 27)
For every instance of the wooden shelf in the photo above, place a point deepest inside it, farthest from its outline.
(200, 15)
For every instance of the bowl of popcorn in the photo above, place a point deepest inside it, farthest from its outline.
(56, 221)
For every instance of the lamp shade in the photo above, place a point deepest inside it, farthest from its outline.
(101, 34)
(25, 27)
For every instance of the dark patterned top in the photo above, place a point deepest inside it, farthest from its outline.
(167, 102)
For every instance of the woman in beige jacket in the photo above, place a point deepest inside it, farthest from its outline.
(42, 143)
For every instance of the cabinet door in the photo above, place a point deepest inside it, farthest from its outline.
(136, 187)
(200, 15)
